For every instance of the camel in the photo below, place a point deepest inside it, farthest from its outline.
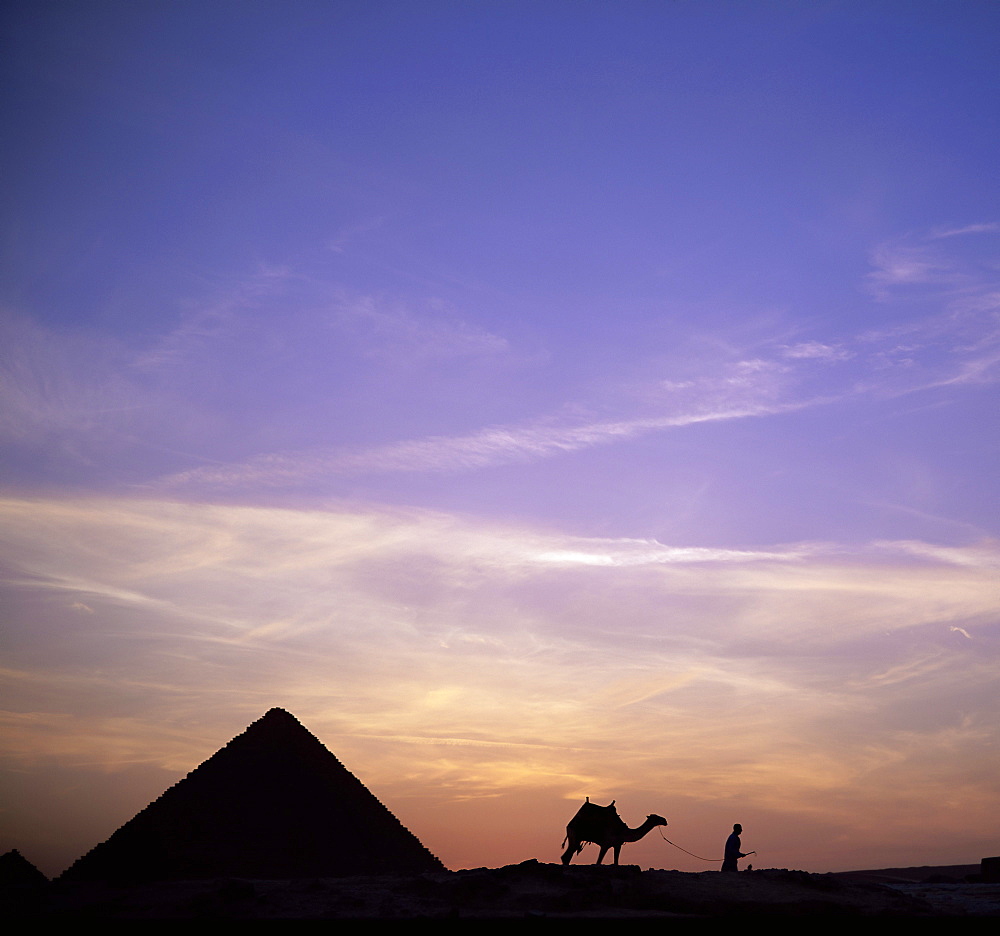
(604, 827)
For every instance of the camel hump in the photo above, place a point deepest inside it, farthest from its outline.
(591, 810)
(593, 820)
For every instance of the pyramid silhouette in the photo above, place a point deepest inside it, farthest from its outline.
(273, 803)
(17, 873)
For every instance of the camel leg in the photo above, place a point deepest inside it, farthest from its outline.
(618, 849)
(600, 857)
(574, 847)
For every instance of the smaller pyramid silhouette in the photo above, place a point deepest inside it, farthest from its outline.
(273, 803)
(17, 873)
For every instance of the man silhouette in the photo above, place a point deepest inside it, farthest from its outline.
(733, 853)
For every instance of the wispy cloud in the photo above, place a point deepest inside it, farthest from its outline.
(57, 383)
(173, 559)
(936, 352)
(907, 265)
(816, 350)
(493, 446)
(394, 331)
(210, 325)
(273, 342)
(916, 669)
(991, 227)
(511, 659)
(241, 317)
(332, 348)
(984, 555)
(959, 342)
(920, 260)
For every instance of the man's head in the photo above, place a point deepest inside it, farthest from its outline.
(738, 829)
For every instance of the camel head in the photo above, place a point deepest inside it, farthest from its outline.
(655, 820)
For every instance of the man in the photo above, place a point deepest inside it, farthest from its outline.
(733, 853)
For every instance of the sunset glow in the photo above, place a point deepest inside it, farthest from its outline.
(538, 400)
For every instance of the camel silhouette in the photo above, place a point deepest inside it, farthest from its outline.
(604, 827)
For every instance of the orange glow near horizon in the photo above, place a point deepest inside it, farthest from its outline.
(472, 707)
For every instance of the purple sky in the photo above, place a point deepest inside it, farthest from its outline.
(539, 400)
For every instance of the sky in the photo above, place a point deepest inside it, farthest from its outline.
(539, 400)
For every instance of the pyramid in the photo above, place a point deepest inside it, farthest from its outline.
(273, 803)
(17, 873)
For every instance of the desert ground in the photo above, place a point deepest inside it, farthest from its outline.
(530, 890)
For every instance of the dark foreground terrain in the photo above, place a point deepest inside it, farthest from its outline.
(527, 890)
